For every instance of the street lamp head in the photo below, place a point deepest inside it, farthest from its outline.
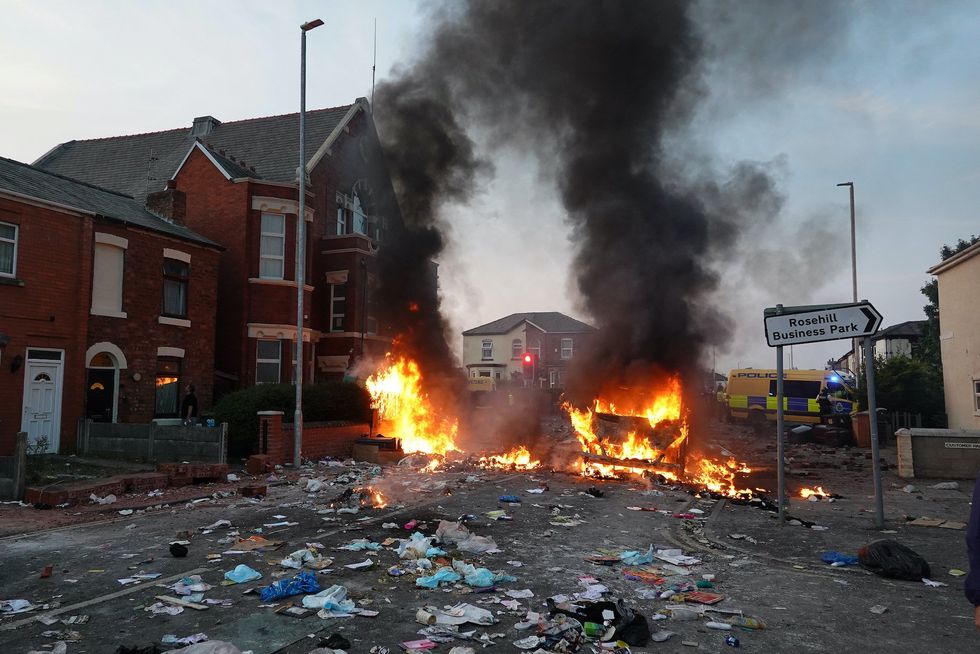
(313, 24)
(846, 184)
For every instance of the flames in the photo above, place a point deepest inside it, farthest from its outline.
(819, 492)
(406, 412)
(518, 458)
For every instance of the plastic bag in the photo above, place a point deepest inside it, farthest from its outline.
(442, 575)
(242, 574)
(891, 559)
(414, 547)
(332, 601)
(304, 582)
(210, 647)
(839, 558)
(637, 558)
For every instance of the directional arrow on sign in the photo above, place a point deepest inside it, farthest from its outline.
(822, 322)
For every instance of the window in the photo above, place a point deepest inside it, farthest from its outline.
(8, 250)
(268, 361)
(372, 305)
(553, 378)
(516, 349)
(273, 246)
(976, 395)
(341, 220)
(360, 218)
(338, 305)
(168, 388)
(485, 374)
(796, 388)
(175, 275)
(107, 280)
(566, 348)
(487, 350)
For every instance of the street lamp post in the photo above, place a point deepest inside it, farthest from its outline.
(854, 279)
(300, 247)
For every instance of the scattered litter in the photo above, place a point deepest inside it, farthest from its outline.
(891, 559)
(242, 574)
(366, 563)
(838, 559)
(232, 477)
(956, 572)
(745, 537)
(510, 499)
(302, 583)
(171, 639)
(878, 609)
(220, 524)
(159, 608)
(937, 522)
(946, 485)
(909, 488)
(520, 594)
(332, 603)
(126, 512)
(931, 583)
(442, 575)
(15, 606)
(108, 499)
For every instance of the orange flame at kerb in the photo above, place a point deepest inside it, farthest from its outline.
(518, 458)
(818, 491)
(396, 393)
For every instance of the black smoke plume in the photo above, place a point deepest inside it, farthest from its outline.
(594, 90)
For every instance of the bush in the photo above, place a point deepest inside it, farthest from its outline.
(321, 402)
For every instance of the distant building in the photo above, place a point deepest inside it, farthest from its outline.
(495, 350)
(897, 340)
(959, 337)
(240, 183)
(107, 308)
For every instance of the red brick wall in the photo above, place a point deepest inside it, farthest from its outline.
(140, 333)
(218, 209)
(54, 259)
(319, 440)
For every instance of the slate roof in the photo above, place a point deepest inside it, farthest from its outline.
(28, 180)
(908, 329)
(123, 163)
(549, 321)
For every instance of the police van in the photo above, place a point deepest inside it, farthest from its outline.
(752, 396)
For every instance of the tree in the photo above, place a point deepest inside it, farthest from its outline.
(927, 350)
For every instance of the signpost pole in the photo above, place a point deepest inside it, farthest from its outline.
(869, 371)
(780, 440)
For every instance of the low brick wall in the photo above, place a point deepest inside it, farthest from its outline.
(320, 439)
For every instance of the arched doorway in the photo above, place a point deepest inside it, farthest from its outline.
(103, 363)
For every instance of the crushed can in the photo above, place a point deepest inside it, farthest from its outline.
(732, 641)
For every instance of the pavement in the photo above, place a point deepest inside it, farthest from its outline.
(779, 578)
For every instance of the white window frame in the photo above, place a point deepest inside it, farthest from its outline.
(334, 314)
(976, 396)
(516, 349)
(359, 219)
(486, 350)
(277, 361)
(3, 239)
(553, 379)
(281, 258)
(570, 348)
(341, 220)
(109, 243)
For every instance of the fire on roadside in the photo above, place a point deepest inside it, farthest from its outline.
(406, 412)
(635, 452)
(818, 492)
(371, 496)
(519, 458)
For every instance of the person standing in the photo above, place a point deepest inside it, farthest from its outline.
(826, 406)
(188, 408)
(972, 586)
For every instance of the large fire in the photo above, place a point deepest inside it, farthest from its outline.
(406, 412)
(519, 458)
(663, 409)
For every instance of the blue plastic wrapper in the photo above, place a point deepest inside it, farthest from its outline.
(839, 557)
(442, 575)
(510, 499)
(434, 551)
(301, 584)
(242, 574)
(637, 558)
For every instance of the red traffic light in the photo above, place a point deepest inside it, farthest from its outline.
(528, 358)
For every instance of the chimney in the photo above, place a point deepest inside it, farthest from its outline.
(170, 203)
(204, 125)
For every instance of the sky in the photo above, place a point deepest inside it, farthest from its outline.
(892, 107)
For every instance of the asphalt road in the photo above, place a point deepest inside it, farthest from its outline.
(780, 580)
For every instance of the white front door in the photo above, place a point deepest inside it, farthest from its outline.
(42, 399)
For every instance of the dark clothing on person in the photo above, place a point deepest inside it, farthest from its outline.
(972, 586)
(826, 407)
(188, 408)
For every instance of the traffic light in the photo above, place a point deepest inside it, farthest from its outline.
(530, 363)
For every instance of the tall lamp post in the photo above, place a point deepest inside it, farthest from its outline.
(301, 247)
(854, 280)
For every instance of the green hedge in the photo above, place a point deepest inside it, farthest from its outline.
(321, 402)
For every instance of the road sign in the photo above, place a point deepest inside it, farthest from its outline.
(824, 322)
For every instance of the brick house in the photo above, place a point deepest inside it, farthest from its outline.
(106, 308)
(239, 179)
(495, 350)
